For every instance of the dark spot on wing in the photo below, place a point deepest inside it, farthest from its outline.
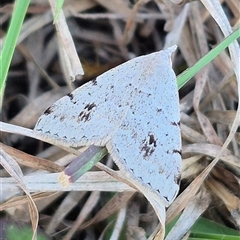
(152, 140)
(94, 81)
(175, 123)
(159, 110)
(177, 178)
(90, 106)
(177, 151)
(62, 118)
(166, 198)
(49, 111)
(131, 107)
(71, 96)
(148, 145)
(85, 114)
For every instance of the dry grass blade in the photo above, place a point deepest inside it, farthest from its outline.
(175, 34)
(229, 77)
(117, 6)
(231, 201)
(67, 47)
(104, 34)
(190, 135)
(119, 223)
(31, 161)
(14, 170)
(131, 22)
(113, 205)
(225, 117)
(22, 200)
(212, 151)
(10, 128)
(195, 208)
(32, 111)
(92, 181)
(216, 10)
(206, 126)
(65, 207)
(89, 205)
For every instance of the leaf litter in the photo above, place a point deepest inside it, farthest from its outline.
(204, 106)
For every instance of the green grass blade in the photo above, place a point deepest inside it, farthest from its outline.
(214, 236)
(58, 9)
(84, 162)
(19, 12)
(206, 229)
(206, 226)
(184, 77)
(20, 231)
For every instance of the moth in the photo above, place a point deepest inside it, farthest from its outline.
(133, 110)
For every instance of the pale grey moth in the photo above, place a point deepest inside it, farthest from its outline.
(133, 110)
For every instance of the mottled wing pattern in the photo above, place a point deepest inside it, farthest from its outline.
(147, 145)
(91, 114)
(133, 110)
